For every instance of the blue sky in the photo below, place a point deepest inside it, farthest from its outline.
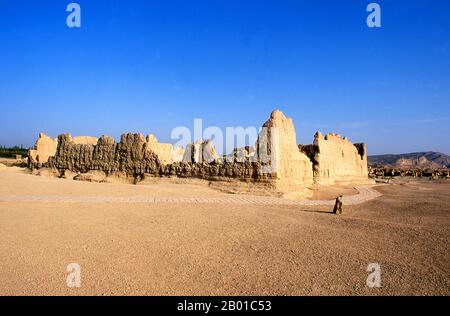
(150, 66)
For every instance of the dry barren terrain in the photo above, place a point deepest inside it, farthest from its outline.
(223, 248)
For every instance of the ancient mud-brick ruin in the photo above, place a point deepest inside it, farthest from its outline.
(276, 161)
(336, 159)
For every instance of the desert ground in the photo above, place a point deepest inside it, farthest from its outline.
(189, 239)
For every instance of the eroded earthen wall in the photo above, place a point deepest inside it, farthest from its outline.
(133, 157)
(277, 141)
(44, 148)
(85, 140)
(200, 151)
(164, 151)
(130, 156)
(275, 157)
(336, 159)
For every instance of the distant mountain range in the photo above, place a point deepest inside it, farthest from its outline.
(428, 159)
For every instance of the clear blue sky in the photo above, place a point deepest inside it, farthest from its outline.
(149, 66)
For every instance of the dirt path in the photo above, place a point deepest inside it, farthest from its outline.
(365, 194)
(217, 246)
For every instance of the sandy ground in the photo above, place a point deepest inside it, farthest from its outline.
(220, 249)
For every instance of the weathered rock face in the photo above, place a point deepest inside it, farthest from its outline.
(275, 159)
(85, 140)
(277, 146)
(336, 159)
(131, 156)
(200, 152)
(243, 154)
(44, 148)
(190, 155)
(177, 154)
(134, 156)
(104, 155)
(418, 160)
(209, 153)
(72, 156)
(164, 151)
(219, 169)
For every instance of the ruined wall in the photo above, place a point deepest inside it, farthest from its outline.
(164, 151)
(177, 154)
(277, 141)
(88, 140)
(336, 159)
(130, 156)
(200, 151)
(133, 157)
(219, 169)
(242, 154)
(44, 148)
(275, 158)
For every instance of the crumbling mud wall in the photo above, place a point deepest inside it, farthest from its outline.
(44, 148)
(131, 156)
(278, 143)
(85, 140)
(165, 152)
(336, 159)
(220, 169)
(200, 151)
(275, 159)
